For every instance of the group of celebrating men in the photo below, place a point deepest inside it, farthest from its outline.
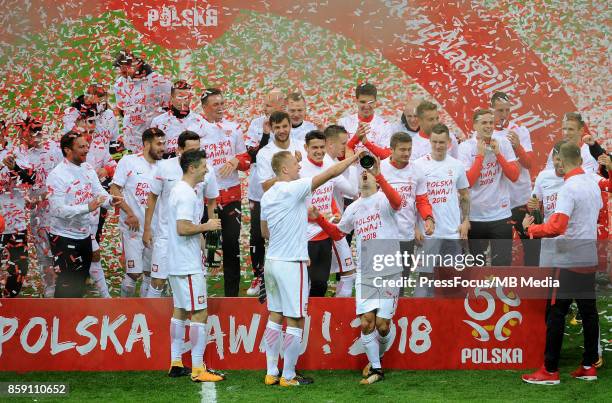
(309, 197)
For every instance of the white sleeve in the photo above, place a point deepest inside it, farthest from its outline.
(184, 207)
(465, 156)
(344, 186)
(300, 189)
(121, 173)
(212, 188)
(565, 202)
(264, 167)
(421, 181)
(157, 182)
(253, 136)
(525, 139)
(506, 150)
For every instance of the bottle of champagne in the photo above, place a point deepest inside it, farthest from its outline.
(537, 214)
(213, 242)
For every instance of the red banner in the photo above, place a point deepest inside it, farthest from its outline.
(133, 334)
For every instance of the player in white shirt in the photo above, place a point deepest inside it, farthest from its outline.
(574, 224)
(179, 117)
(572, 128)
(490, 163)
(74, 192)
(296, 108)
(16, 178)
(132, 181)
(155, 235)
(44, 155)
(140, 94)
(428, 116)
(407, 179)
(372, 216)
(376, 128)
(409, 122)
(224, 145)
(284, 221)
(321, 249)
(257, 137)
(99, 158)
(342, 263)
(448, 194)
(520, 139)
(95, 100)
(186, 273)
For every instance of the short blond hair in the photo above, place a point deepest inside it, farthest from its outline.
(278, 160)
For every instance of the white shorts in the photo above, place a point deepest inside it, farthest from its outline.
(137, 257)
(189, 291)
(383, 307)
(286, 287)
(159, 266)
(342, 257)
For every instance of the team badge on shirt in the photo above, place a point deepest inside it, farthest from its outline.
(130, 264)
(348, 261)
(201, 299)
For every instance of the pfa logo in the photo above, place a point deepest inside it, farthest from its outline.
(482, 322)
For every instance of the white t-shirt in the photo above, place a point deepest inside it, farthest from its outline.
(351, 176)
(70, 188)
(580, 199)
(371, 218)
(264, 159)
(421, 146)
(166, 175)
(134, 174)
(12, 190)
(140, 100)
(184, 250)
(519, 190)
(408, 182)
(299, 133)
(222, 141)
(43, 159)
(283, 206)
(98, 155)
(546, 187)
(444, 178)
(489, 196)
(322, 196)
(589, 164)
(107, 126)
(173, 127)
(378, 133)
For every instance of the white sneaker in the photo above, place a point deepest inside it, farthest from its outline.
(254, 288)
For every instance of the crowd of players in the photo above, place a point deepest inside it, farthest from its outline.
(178, 178)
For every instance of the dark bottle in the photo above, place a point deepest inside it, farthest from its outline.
(213, 242)
(537, 215)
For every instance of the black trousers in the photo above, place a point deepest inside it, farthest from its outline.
(319, 253)
(257, 246)
(73, 258)
(501, 231)
(231, 217)
(14, 259)
(531, 247)
(555, 319)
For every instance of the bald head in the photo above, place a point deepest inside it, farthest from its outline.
(274, 101)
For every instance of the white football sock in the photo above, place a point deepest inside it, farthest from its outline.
(127, 286)
(177, 337)
(197, 336)
(272, 342)
(146, 283)
(372, 348)
(345, 286)
(292, 347)
(384, 341)
(96, 272)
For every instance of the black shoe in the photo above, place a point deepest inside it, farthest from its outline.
(262, 290)
(304, 380)
(374, 375)
(177, 371)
